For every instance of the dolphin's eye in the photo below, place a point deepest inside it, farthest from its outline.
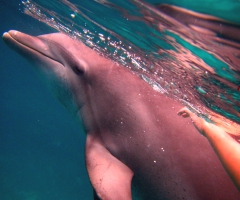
(78, 70)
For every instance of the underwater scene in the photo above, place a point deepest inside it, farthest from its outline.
(186, 50)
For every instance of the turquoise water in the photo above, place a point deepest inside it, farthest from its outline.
(41, 148)
(177, 54)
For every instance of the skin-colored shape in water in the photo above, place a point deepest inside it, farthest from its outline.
(137, 147)
(227, 149)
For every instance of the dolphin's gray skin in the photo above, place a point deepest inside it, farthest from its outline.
(132, 130)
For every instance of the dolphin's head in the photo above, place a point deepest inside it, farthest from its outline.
(63, 63)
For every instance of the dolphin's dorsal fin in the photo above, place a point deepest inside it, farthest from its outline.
(110, 178)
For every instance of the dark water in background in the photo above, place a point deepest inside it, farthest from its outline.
(41, 147)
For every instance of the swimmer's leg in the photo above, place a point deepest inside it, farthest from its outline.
(227, 149)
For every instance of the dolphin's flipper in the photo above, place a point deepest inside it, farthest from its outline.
(110, 178)
(95, 196)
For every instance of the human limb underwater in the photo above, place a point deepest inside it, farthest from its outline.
(226, 148)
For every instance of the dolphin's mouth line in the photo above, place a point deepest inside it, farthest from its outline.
(29, 47)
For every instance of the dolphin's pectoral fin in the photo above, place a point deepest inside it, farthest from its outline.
(110, 178)
(95, 196)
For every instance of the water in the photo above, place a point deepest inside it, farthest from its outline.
(192, 61)
(41, 146)
(42, 153)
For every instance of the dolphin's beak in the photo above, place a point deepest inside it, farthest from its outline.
(16, 39)
(29, 46)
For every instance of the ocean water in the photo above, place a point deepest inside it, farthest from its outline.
(195, 62)
(41, 147)
(190, 57)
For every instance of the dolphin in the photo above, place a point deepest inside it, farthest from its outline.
(137, 147)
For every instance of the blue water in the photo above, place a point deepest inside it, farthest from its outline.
(41, 147)
(199, 68)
